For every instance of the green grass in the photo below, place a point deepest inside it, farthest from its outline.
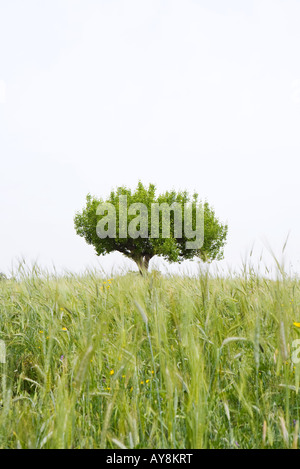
(155, 362)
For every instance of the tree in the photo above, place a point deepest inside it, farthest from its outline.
(167, 225)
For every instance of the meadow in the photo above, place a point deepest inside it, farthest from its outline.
(149, 362)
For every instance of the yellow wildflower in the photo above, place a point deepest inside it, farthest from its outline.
(297, 324)
(111, 372)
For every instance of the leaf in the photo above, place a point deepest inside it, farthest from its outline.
(233, 339)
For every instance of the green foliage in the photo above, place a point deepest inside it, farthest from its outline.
(141, 250)
(149, 362)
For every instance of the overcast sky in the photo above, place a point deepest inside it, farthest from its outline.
(192, 94)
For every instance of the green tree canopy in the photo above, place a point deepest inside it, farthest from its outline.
(159, 229)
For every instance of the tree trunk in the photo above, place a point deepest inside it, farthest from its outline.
(143, 263)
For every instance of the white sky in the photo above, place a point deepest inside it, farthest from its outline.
(189, 94)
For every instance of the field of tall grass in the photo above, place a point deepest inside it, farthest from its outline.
(149, 362)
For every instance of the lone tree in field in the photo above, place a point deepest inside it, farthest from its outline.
(141, 225)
